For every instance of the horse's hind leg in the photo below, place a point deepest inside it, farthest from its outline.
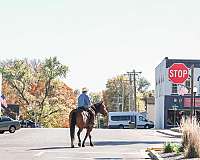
(79, 139)
(87, 134)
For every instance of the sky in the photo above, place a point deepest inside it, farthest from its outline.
(99, 40)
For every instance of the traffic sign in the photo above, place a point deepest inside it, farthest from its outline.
(178, 73)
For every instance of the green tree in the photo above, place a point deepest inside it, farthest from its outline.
(117, 93)
(95, 97)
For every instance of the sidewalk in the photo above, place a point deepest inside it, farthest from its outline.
(170, 133)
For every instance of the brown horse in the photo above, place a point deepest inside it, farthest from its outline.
(81, 119)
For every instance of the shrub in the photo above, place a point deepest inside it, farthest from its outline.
(168, 147)
(171, 147)
(190, 139)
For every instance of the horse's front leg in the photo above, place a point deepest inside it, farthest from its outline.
(87, 134)
(78, 134)
(91, 144)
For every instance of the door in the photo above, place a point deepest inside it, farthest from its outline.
(141, 121)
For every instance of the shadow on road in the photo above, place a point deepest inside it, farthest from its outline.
(103, 143)
(49, 148)
(115, 143)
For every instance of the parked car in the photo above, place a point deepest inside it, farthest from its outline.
(27, 124)
(8, 124)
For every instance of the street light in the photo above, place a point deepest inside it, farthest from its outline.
(194, 91)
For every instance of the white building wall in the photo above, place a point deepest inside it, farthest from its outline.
(161, 90)
(151, 112)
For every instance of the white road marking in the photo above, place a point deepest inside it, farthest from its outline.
(39, 154)
(73, 158)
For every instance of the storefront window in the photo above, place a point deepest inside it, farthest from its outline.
(174, 88)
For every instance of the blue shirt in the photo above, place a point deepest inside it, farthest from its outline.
(83, 100)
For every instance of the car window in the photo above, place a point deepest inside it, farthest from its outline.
(142, 118)
(120, 118)
(4, 119)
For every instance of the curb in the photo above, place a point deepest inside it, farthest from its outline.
(173, 135)
(154, 155)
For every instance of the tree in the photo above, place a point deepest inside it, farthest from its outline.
(95, 97)
(34, 84)
(117, 93)
(142, 85)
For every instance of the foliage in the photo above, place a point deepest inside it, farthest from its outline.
(142, 85)
(168, 148)
(35, 86)
(118, 93)
(95, 97)
(172, 147)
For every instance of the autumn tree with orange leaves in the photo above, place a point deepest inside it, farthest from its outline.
(36, 87)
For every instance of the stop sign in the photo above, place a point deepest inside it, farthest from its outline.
(178, 73)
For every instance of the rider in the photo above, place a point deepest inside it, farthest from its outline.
(84, 103)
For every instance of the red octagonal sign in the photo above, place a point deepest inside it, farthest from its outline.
(178, 73)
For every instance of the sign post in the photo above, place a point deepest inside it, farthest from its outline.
(0, 89)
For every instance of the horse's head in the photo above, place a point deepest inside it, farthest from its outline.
(101, 108)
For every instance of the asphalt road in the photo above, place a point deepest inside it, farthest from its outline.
(54, 144)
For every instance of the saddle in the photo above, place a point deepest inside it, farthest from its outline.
(91, 115)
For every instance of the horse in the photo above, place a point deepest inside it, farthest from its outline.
(81, 119)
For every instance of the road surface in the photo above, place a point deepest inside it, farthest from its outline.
(54, 144)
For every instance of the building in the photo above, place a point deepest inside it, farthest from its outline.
(151, 108)
(170, 105)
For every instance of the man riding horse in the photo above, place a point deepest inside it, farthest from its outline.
(84, 104)
(83, 117)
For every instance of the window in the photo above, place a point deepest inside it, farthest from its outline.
(4, 119)
(187, 84)
(174, 88)
(142, 118)
(115, 118)
(120, 118)
(125, 118)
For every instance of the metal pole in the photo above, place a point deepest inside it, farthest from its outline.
(0, 90)
(192, 87)
(130, 89)
(194, 104)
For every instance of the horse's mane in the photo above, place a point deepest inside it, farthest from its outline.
(96, 107)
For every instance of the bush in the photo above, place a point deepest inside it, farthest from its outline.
(177, 148)
(171, 147)
(190, 139)
(168, 148)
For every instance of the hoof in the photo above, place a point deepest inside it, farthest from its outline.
(91, 144)
(79, 144)
(72, 146)
(83, 145)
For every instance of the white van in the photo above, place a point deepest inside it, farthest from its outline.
(128, 120)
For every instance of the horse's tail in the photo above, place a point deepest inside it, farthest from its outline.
(72, 125)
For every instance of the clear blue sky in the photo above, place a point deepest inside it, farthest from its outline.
(100, 39)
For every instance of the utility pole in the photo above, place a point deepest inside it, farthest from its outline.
(132, 79)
